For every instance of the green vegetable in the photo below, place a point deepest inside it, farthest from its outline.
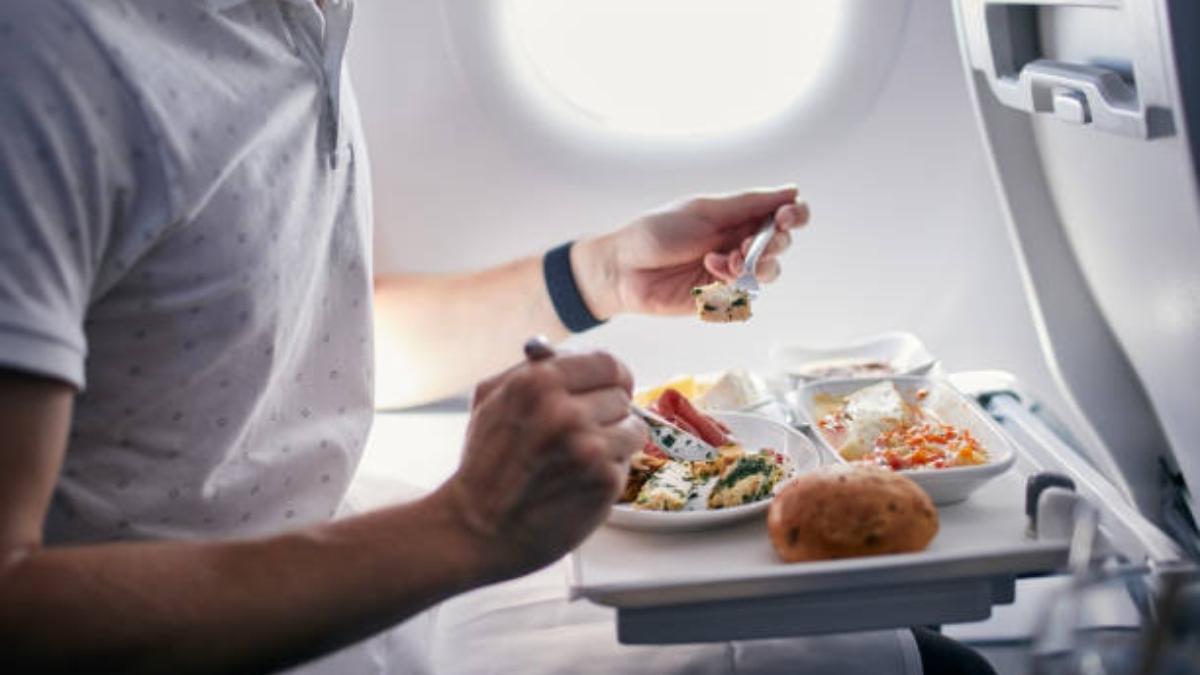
(746, 466)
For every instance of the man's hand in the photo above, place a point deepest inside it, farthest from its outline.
(546, 455)
(650, 265)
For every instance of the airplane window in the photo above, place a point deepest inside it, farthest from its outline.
(671, 67)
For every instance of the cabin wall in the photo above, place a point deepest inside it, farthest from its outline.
(906, 232)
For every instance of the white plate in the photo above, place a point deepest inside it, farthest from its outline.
(753, 432)
(902, 351)
(945, 486)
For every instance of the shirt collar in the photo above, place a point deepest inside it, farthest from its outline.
(221, 5)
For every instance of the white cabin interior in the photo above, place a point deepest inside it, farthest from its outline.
(1050, 248)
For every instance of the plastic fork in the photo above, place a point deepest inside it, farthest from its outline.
(675, 442)
(747, 281)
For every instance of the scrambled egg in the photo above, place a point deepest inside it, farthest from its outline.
(721, 303)
(749, 479)
(668, 489)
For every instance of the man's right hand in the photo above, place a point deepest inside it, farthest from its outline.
(546, 455)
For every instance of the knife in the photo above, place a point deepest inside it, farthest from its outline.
(673, 441)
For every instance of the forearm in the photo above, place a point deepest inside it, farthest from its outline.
(233, 606)
(438, 335)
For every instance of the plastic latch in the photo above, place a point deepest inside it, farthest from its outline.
(1071, 107)
(1056, 514)
(1035, 485)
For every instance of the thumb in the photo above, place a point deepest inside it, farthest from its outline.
(738, 208)
(485, 387)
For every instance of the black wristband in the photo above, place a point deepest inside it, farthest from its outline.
(564, 292)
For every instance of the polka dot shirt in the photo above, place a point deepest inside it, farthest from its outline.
(184, 236)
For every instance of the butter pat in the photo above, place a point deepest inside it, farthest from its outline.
(733, 390)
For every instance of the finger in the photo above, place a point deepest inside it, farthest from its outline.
(592, 370)
(485, 387)
(738, 208)
(778, 244)
(791, 216)
(625, 438)
(735, 262)
(768, 270)
(605, 476)
(576, 458)
(717, 264)
(605, 406)
(536, 348)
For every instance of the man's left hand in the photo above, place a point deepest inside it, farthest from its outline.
(650, 265)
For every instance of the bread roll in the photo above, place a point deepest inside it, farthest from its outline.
(845, 511)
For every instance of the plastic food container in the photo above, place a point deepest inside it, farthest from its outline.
(945, 486)
(899, 352)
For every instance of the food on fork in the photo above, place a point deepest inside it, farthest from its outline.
(848, 511)
(721, 303)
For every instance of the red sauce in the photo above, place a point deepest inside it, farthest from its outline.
(927, 445)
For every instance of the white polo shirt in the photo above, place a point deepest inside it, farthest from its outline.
(184, 236)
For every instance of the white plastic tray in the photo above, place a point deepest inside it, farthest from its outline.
(728, 584)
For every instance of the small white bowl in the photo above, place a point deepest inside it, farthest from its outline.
(944, 486)
(753, 432)
(903, 352)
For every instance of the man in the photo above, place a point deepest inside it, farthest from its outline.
(185, 349)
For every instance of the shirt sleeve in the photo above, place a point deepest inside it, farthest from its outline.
(75, 156)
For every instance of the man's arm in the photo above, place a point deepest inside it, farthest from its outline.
(254, 605)
(199, 606)
(435, 335)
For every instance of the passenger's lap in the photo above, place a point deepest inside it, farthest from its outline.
(528, 626)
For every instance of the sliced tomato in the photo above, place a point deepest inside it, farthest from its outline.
(675, 407)
(665, 405)
(683, 424)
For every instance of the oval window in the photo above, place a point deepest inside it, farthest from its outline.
(672, 67)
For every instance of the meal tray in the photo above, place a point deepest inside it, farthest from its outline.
(727, 583)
